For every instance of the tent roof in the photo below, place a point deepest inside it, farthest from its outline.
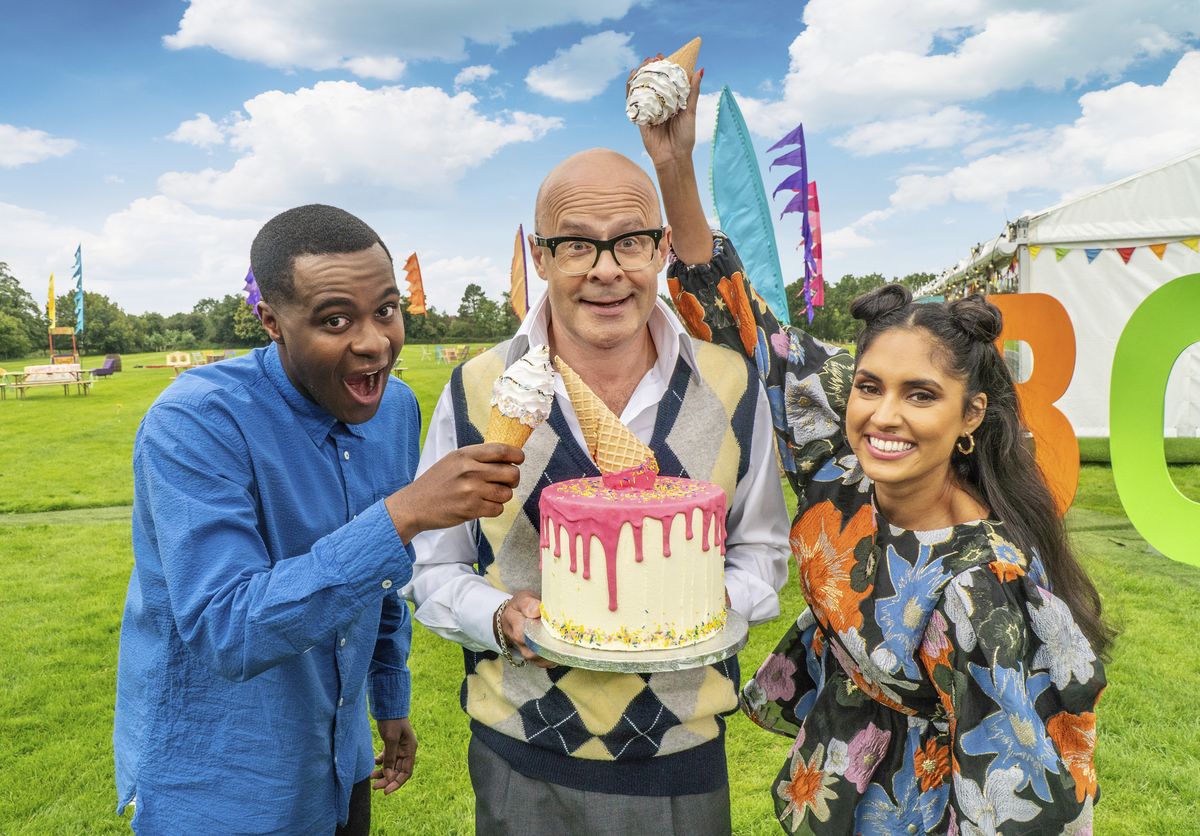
(1153, 205)
(1160, 204)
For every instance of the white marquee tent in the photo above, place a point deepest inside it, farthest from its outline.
(1073, 252)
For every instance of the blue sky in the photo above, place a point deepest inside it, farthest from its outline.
(162, 135)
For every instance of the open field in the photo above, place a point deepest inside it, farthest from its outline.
(65, 560)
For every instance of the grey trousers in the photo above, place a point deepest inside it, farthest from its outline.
(507, 803)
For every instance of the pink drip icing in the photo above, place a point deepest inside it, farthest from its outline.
(584, 517)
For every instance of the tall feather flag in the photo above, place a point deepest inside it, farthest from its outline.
(518, 295)
(253, 294)
(804, 202)
(77, 275)
(51, 312)
(741, 204)
(416, 288)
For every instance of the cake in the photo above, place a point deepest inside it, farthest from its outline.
(630, 560)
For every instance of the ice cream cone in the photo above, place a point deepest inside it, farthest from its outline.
(609, 441)
(686, 55)
(506, 430)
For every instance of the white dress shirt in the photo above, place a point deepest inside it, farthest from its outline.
(456, 603)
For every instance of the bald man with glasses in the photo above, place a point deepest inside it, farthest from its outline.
(555, 750)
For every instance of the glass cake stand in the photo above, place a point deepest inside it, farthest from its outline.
(727, 642)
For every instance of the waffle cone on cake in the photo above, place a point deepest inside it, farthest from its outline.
(609, 441)
(686, 56)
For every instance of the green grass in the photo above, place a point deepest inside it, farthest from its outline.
(62, 586)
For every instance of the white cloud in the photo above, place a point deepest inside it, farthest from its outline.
(470, 75)
(22, 146)
(201, 131)
(866, 60)
(371, 38)
(156, 254)
(1120, 131)
(113, 178)
(946, 128)
(318, 141)
(844, 239)
(582, 71)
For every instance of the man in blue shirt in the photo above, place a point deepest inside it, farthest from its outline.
(274, 502)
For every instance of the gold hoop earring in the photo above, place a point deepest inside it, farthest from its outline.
(971, 447)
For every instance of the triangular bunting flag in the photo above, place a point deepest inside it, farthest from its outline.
(795, 157)
(796, 181)
(1194, 243)
(1126, 253)
(1092, 252)
(416, 287)
(1060, 253)
(1158, 250)
(1033, 252)
(794, 137)
(518, 295)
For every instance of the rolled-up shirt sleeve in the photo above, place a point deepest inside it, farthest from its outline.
(233, 607)
(756, 546)
(452, 599)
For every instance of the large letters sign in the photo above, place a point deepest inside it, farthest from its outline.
(1162, 327)
(1042, 322)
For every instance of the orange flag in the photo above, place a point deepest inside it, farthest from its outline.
(1158, 250)
(519, 294)
(416, 290)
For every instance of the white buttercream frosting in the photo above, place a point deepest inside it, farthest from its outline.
(657, 92)
(526, 389)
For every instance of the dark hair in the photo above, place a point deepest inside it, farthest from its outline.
(1002, 472)
(315, 229)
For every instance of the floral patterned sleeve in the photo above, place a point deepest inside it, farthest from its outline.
(1019, 684)
(807, 381)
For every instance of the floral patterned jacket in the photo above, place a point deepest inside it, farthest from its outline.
(934, 683)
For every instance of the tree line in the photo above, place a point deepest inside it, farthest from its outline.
(228, 323)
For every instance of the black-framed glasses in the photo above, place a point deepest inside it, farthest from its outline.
(575, 255)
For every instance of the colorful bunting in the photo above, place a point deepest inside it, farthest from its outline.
(1126, 253)
(1060, 253)
(814, 222)
(518, 296)
(1194, 243)
(1033, 252)
(77, 275)
(50, 307)
(741, 203)
(802, 202)
(253, 294)
(416, 288)
(1158, 250)
(1091, 252)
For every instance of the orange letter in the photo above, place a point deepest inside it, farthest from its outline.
(1041, 321)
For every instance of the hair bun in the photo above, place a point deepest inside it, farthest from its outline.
(880, 302)
(977, 317)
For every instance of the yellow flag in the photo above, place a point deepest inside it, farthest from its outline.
(50, 312)
(1194, 243)
(518, 296)
(1033, 252)
(416, 287)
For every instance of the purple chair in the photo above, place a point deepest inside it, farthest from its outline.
(110, 366)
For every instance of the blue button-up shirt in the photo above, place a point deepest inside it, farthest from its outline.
(263, 603)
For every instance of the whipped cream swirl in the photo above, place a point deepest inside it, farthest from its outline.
(526, 389)
(657, 92)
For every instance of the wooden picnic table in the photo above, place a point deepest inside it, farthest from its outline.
(66, 378)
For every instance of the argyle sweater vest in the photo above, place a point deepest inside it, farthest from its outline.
(656, 734)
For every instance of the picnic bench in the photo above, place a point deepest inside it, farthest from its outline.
(65, 375)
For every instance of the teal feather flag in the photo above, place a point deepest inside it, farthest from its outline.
(741, 203)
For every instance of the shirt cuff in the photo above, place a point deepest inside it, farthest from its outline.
(750, 596)
(370, 553)
(390, 693)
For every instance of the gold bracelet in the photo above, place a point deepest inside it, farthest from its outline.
(502, 640)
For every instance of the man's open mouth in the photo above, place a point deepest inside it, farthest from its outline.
(365, 386)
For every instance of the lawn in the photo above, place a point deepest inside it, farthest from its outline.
(62, 583)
